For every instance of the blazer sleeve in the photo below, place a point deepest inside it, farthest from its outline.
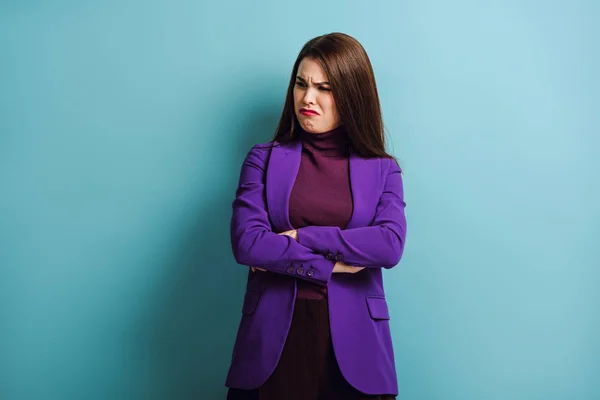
(379, 245)
(254, 243)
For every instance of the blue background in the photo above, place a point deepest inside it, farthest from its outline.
(123, 125)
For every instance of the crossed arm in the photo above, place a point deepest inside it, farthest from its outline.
(339, 267)
(318, 251)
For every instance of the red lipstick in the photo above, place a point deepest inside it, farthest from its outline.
(307, 112)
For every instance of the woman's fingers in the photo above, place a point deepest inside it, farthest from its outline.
(341, 267)
(354, 270)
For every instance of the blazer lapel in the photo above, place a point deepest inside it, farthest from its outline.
(363, 185)
(282, 170)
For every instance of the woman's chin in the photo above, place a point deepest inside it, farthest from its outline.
(311, 128)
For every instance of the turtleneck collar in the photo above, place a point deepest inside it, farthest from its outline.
(333, 143)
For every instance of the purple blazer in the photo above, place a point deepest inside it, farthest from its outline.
(358, 312)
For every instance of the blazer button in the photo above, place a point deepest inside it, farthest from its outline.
(310, 272)
(329, 256)
(338, 257)
(290, 270)
(300, 271)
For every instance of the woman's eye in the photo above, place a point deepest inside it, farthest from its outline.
(301, 84)
(326, 89)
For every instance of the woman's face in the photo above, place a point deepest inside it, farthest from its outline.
(313, 100)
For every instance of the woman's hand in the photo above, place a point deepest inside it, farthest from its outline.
(341, 268)
(293, 234)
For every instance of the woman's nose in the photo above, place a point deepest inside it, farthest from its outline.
(309, 96)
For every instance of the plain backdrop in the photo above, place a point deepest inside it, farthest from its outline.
(123, 125)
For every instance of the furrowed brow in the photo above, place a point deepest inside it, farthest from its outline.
(314, 83)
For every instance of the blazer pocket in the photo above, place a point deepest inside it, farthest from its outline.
(378, 308)
(250, 302)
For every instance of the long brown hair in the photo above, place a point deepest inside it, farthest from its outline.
(354, 90)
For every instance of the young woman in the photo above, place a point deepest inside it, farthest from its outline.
(319, 212)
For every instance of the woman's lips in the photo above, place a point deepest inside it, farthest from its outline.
(307, 112)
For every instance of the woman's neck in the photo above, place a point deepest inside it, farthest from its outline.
(329, 144)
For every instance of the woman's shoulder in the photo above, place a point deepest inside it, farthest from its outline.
(394, 165)
(266, 146)
(261, 151)
(387, 164)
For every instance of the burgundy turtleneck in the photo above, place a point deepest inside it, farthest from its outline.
(321, 194)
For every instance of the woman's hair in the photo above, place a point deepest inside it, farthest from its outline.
(352, 80)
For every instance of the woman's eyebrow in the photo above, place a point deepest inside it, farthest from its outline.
(314, 83)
